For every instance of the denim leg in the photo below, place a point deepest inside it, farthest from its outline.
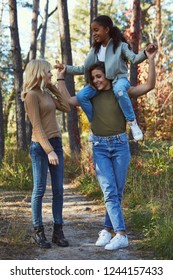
(120, 89)
(111, 159)
(107, 223)
(39, 167)
(57, 175)
(83, 97)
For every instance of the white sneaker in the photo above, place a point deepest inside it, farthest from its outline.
(119, 241)
(136, 131)
(104, 238)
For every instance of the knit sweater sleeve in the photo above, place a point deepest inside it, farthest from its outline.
(32, 108)
(131, 56)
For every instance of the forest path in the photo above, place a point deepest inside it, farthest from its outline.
(83, 219)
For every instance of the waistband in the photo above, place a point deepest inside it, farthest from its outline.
(108, 138)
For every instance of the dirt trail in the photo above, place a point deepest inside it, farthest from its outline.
(83, 219)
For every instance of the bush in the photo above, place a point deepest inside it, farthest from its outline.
(16, 171)
(149, 197)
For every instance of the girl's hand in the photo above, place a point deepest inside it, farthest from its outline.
(60, 69)
(59, 65)
(151, 48)
(53, 158)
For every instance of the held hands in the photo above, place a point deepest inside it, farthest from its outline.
(53, 158)
(151, 48)
(151, 55)
(60, 69)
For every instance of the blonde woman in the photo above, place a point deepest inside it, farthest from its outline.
(46, 146)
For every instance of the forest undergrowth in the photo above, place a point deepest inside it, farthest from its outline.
(147, 203)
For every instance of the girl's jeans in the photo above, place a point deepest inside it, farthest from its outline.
(40, 165)
(120, 88)
(111, 159)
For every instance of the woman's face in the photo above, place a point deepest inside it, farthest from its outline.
(99, 80)
(48, 77)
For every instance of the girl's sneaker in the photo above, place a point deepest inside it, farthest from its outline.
(136, 131)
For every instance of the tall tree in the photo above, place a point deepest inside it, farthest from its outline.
(1, 128)
(72, 118)
(134, 40)
(160, 118)
(44, 29)
(35, 13)
(135, 36)
(32, 54)
(1, 104)
(18, 75)
(93, 14)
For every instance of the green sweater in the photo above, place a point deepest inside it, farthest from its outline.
(108, 118)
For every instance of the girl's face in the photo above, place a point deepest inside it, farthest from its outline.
(48, 77)
(99, 80)
(100, 33)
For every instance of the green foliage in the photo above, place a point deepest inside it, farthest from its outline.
(149, 197)
(90, 187)
(16, 173)
(159, 237)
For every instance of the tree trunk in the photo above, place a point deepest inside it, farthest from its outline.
(93, 14)
(160, 118)
(33, 47)
(32, 55)
(1, 100)
(72, 118)
(1, 128)
(18, 75)
(44, 29)
(135, 36)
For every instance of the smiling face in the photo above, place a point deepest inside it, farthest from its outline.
(47, 77)
(99, 81)
(100, 33)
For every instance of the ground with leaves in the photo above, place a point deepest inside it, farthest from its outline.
(83, 220)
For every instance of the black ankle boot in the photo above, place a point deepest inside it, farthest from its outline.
(58, 236)
(39, 237)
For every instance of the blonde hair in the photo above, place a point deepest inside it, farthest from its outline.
(34, 75)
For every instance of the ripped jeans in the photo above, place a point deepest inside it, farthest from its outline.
(111, 160)
(120, 88)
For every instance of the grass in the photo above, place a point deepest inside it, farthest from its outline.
(16, 171)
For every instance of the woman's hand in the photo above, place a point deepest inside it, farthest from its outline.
(60, 69)
(53, 158)
(151, 55)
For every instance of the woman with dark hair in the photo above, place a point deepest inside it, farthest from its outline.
(111, 149)
(110, 47)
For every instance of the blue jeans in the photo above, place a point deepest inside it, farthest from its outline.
(111, 159)
(83, 97)
(40, 165)
(120, 88)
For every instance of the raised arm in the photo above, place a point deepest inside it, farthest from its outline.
(142, 89)
(61, 68)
